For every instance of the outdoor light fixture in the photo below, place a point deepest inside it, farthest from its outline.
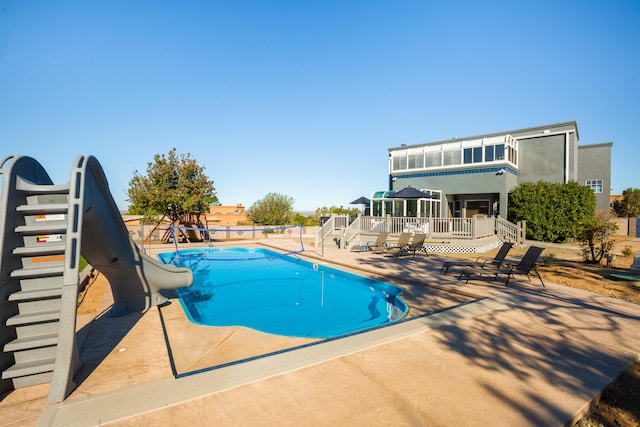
(500, 172)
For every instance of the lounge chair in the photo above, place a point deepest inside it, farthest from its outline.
(415, 245)
(635, 268)
(482, 262)
(369, 246)
(403, 239)
(381, 240)
(525, 266)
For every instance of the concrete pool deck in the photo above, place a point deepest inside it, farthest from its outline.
(522, 355)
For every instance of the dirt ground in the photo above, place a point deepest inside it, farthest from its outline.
(620, 402)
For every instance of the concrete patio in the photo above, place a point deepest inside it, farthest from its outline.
(476, 354)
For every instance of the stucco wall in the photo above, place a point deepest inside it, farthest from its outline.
(480, 183)
(594, 162)
(542, 159)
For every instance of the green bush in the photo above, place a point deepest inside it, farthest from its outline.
(548, 259)
(273, 209)
(595, 237)
(553, 212)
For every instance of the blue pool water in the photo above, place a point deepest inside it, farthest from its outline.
(282, 295)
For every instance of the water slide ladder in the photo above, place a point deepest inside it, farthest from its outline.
(41, 237)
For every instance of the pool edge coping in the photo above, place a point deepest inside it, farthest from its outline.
(130, 401)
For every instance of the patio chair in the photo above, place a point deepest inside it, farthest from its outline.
(410, 248)
(403, 239)
(482, 262)
(634, 268)
(378, 243)
(525, 266)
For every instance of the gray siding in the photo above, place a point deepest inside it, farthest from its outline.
(547, 153)
(542, 159)
(485, 185)
(595, 163)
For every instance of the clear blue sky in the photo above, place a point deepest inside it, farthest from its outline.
(304, 97)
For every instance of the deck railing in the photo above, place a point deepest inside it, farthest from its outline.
(436, 228)
(352, 230)
(330, 226)
(512, 232)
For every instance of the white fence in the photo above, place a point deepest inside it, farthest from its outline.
(435, 228)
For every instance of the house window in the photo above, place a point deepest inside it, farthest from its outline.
(433, 159)
(473, 155)
(399, 163)
(477, 154)
(595, 185)
(416, 161)
(468, 155)
(488, 153)
(451, 157)
(476, 207)
(512, 155)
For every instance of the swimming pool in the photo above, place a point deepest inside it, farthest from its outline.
(283, 295)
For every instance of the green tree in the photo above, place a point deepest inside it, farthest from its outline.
(273, 209)
(629, 206)
(595, 236)
(340, 210)
(305, 220)
(174, 186)
(553, 211)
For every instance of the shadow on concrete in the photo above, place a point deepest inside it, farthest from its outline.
(560, 338)
(576, 358)
(97, 339)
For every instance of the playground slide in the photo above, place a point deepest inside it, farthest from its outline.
(136, 279)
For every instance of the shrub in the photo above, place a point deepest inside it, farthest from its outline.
(548, 259)
(595, 237)
(627, 251)
(553, 211)
(273, 209)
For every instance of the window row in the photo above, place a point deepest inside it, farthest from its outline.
(458, 156)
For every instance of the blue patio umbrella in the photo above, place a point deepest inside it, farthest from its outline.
(361, 201)
(410, 193)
